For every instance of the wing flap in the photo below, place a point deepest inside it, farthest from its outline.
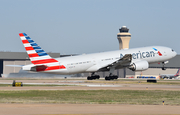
(123, 62)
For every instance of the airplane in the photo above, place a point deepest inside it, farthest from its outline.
(169, 76)
(136, 59)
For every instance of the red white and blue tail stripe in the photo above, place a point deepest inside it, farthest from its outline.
(38, 56)
(177, 74)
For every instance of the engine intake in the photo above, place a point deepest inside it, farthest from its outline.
(139, 66)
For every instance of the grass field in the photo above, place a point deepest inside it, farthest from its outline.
(139, 97)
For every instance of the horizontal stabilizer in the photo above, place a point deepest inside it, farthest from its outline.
(15, 65)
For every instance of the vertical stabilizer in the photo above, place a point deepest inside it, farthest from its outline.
(177, 74)
(36, 54)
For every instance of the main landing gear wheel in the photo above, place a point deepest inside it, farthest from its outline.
(93, 77)
(111, 77)
(163, 68)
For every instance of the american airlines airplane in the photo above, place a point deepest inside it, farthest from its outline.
(170, 76)
(136, 59)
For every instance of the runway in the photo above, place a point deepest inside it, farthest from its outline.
(82, 85)
(85, 109)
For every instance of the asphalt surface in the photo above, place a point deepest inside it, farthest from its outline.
(81, 85)
(87, 109)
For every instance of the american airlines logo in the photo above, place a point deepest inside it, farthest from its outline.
(159, 53)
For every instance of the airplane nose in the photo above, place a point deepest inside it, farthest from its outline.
(174, 53)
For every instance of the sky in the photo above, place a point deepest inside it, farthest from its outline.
(88, 26)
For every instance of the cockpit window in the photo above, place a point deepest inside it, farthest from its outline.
(172, 50)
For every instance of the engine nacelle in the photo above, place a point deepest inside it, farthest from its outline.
(139, 66)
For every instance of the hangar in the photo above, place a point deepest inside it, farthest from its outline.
(16, 58)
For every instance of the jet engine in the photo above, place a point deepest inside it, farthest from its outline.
(139, 66)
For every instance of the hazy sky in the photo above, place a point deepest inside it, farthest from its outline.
(88, 26)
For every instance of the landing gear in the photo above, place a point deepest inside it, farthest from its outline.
(111, 77)
(93, 76)
(163, 68)
(164, 63)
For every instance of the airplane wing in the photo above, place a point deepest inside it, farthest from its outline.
(123, 62)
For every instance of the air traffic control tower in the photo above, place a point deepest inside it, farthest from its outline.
(124, 38)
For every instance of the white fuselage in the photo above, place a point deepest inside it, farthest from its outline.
(93, 62)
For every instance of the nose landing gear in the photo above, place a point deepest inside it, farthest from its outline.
(163, 68)
(164, 63)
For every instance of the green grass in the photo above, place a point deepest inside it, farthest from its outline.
(5, 85)
(139, 97)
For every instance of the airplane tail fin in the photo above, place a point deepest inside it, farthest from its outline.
(177, 74)
(36, 54)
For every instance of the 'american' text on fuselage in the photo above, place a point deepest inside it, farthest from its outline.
(141, 55)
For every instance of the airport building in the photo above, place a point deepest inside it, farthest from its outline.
(16, 58)
(21, 58)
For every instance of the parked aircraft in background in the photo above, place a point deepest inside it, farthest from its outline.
(169, 76)
(136, 59)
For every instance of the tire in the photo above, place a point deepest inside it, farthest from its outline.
(89, 78)
(111, 77)
(116, 77)
(97, 77)
(93, 77)
(107, 78)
